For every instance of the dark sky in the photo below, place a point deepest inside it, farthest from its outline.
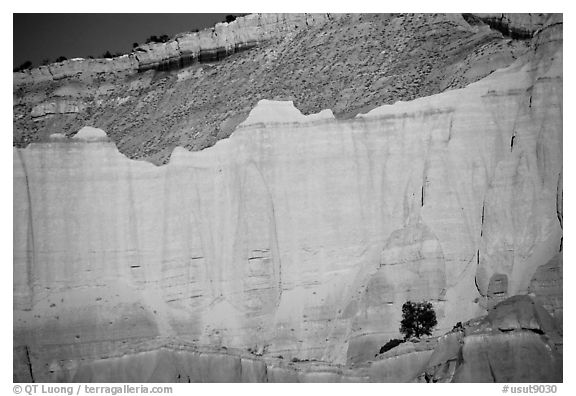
(41, 36)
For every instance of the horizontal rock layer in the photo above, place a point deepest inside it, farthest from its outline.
(298, 236)
(57, 107)
(517, 25)
(206, 45)
(226, 38)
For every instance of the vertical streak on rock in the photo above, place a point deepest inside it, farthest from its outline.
(482, 220)
(422, 203)
(492, 374)
(29, 363)
(363, 168)
(133, 227)
(30, 240)
(559, 211)
(476, 279)
(204, 244)
(165, 257)
(256, 244)
(274, 246)
(559, 198)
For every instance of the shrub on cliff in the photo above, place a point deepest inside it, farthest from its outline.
(61, 59)
(24, 66)
(158, 39)
(458, 327)
(393, 343)
(230, 18)
(111, 55)
(418, 319)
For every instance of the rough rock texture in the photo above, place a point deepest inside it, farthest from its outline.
(58, 107)
(75, 68)
(298, 236)
(546, 287)
(347, 63)
(515, 25)
(518, 341)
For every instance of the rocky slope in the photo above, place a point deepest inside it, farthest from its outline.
(298, 236)
(346, 63)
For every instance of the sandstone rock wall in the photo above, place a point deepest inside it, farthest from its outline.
(298, 236)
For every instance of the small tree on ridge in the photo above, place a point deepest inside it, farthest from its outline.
(418, 319)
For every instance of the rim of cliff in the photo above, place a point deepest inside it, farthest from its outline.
(195, 89)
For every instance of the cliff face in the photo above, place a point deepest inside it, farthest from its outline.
(298, 236)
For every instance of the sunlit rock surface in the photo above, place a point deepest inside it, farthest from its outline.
(299, 236)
